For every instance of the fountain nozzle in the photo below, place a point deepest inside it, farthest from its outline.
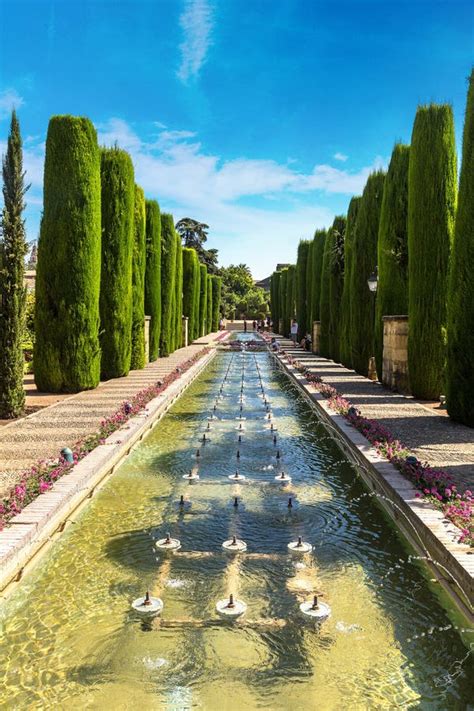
(290, 503)
(300, 542)
(240, 438)
(198, 453)
(236, 501)
(231, 602)
(278, 455)
(147, 600)
(168, 538)
(238, 454)
(234, 541)
(315, 604)
(274, 439)
(181, 501)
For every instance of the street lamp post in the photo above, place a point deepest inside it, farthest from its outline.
(373, 280)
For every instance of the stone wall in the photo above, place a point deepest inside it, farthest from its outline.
(395, 353)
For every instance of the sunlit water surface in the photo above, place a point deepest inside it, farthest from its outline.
(70, 641)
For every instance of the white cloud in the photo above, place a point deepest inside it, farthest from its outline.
(197, 24)
(340, 156)
(9, 99)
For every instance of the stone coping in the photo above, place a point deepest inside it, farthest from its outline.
(422, 525)
(28, 533)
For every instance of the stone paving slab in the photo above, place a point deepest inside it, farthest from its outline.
(44, 433)
(431, 436)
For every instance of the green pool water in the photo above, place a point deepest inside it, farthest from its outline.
(70, 641)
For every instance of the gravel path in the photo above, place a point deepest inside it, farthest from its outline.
(43, 434)
(431, 435)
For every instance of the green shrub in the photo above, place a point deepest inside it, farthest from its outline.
(345, 329)
(431, 208)
(67, 353)
(209, 304)
(202, 300)
(364, 261)
(216, 301)
(317, 266)
(168, 284)
(118, 201)
(300, 285)
(153, 276)
(460, 371)
(138, 282)
(392, 291)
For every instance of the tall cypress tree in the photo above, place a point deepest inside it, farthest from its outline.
(309, 288)
(202, 300)
(291, 294)
(168, 280)
(153, 275)
(431, 209)
(67, 352)
(275, 300)
(319, 241)
(364, 261)
(138, 282)
(284, 302)
(118, 201)
(345, 328)
(12, 269)
(189, 288)
(179, 294)
(209, 305)
(196, 296)
(460, 373)
(301, 302)
(324, 299)
(392, 291)
(336, 284)
(216, 301)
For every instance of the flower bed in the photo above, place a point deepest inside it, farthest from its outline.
(436, 485)
(41, 477)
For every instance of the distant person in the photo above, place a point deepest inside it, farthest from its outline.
(294, 330)
(275, 346)
(254, 325)
(269, 321)
(307, 342)
(245, 326)
(221, 324)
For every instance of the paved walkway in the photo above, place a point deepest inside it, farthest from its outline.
(431, 436)
(43, 434)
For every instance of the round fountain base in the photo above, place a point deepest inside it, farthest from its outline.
(238, 547)
(223, 609)
(283, 479)
(239, 477)
(191, 477)
(168, 545)
(153, 607)
(303, 547)
(319, 613)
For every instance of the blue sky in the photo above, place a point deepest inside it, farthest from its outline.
(260, 117)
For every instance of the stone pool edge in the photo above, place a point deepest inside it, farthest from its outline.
(436, 537)
(30, 533)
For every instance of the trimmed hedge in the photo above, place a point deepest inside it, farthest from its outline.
(309, 289)
(324, 299)
(67, 353)
(190, 263)
(209, 305)
(336, 284)
(392, 291)
(300, 285)
(216, 301)
(197, 296)
(275, 300)
(291, 294)
(460, 371)
(202, 300)
(153, 275)
(345, 329)
(118, 201)
(364, 261)
(284, 302)
(168, 282)
(317, 267)
(431, 210)
(138, 282)
(178, 338)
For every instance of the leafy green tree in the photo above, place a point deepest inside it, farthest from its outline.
(392, 291)
(138, 282)
(202, 300)
(364, 261)
(345, 330)
(12, 292)
(209, 305)
(168, 284)
(431, 211)
(153, 275)
(194, 235)
(118, 201)
(67, 353)
(319, 241)
(301, 296)
(460, 373)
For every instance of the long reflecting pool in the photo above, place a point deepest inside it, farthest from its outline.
(70, 641)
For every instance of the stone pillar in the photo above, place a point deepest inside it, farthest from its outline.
(395, 353)
(147, 338)
(316, 336)
(185, 331)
